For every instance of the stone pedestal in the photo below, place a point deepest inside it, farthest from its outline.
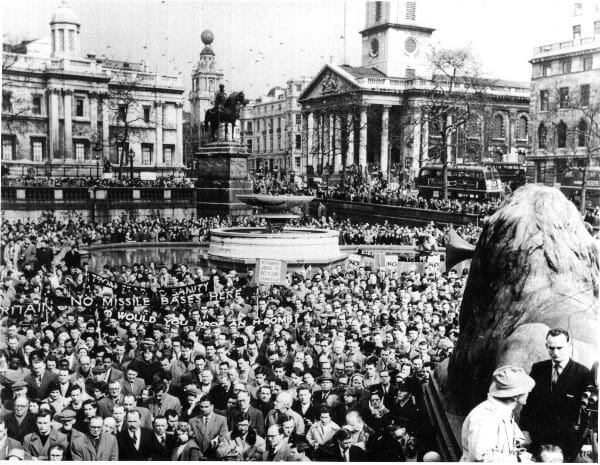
(222, 175)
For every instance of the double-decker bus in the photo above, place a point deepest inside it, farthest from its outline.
(512, 175)
(572, 180)
(464, 182)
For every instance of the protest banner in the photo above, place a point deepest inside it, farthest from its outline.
(391, 262)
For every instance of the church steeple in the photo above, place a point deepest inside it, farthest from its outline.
(393, 41)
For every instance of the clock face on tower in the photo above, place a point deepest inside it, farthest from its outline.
(374, 48)
(410, 45)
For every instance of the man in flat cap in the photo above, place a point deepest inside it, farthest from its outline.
(490, 433)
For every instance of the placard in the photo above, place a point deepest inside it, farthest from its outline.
(270, 272)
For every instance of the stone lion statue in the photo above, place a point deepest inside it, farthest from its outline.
(535, 267)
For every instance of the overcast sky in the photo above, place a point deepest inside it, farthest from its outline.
(260, 44)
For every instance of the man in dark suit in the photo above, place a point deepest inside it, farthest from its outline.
(164, 443)
(40, 380)
(135, 442)
(96, 445)
(20, 422)
(552, 408)
(340, 449)
(208, 428)
(257, 421)
(132, 384)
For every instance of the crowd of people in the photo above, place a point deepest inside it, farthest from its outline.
(91, 181)
(328, 367)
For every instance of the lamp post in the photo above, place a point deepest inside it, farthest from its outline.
(97, 148)
(131, 157)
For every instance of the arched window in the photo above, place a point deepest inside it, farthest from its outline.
(522, 131)
(582, 133)
(542, 133)
(498, 128)
(562, 135)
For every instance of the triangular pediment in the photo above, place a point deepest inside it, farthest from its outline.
(329, 81)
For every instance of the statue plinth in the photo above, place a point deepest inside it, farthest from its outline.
(222, 175)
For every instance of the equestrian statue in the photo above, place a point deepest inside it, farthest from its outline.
(226, 110)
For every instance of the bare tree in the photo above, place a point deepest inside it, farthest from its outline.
(457, 96)
(126, 112)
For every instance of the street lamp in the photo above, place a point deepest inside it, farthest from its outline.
(131, 157)
(97, 148)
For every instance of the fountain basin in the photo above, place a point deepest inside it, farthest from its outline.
(241, 247)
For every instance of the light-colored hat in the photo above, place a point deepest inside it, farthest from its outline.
(509, 381)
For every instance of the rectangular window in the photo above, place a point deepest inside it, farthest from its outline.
(577, 32)
(36, 105)
(249, 145)
(6, 103)
(146, 113)
(546, 69)
(61, 36)
(540, 171)
(146, 154)
(563, 97)
(409, 73)
(8, 147)
(544, 100)
(566, 66)
(79, 107)
(72, 41)
(298, 118)
(378, 10)
(37, 149)
(168, 154)
(298, 162)
(298, 141)
(79, 151)
(249, 126)
(577, 8)
(597, 28)
(298, 87)
(584, 93)
(122, 112)
(587, 62)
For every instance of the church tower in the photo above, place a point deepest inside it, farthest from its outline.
(205, 82)
(393, 41)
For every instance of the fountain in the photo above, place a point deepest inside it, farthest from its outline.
(239, 247)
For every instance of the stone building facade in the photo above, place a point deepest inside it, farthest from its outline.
(565, 93)
(66, 115)
(272, 129)
(373, 116)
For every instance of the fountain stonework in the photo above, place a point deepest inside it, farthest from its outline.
(239, 248)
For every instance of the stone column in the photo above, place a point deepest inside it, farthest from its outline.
(158, 112)
(304, 140)
(350, 153)
(68, 99)
(317, 142)
(362, 140)
(309, 138)
(53, 126)
(338, 162)
(419, 145)
(105, 127)
(385, 125)
(326, 134)
(93, 111)
(512, 133)
(179, 142)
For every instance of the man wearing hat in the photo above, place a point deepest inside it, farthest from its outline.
(67, 419)
(326, 395)
(490, 433)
